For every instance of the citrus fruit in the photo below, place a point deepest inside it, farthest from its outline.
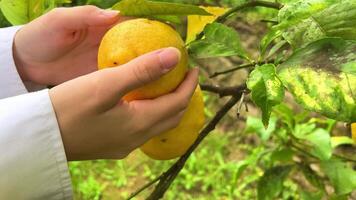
(175, 142)
(133, 38)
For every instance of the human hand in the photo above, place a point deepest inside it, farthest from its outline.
(96, 124)
(62, 44)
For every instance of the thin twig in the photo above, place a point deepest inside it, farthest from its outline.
(169, 176)
(147, 185)
(244, 66)
(269, 21)
(223, 91)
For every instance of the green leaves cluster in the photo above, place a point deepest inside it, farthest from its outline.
(19, 12)
(295, 143)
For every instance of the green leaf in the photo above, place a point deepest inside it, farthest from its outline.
(19, 12)
(15, 11)
(168, 18)
(320, 139)
(341, 176)
(298, 10)
(3, 21)
(142, 8)
(311, 195)
(284, 155)
(338, 20)
(285, 114)
(219, 40)
(270, 184)
(255, 125)
(312, 177)
(317, 137)
(266, 89)
(341, 140)
(315, 77)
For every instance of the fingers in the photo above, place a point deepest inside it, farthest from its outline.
(165, 125)
(156, 110)
(82, 17)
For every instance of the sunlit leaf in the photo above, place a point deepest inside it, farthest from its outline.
(141, 8)
(19, 12)
(219, 40)
(315, 77)
(266, 89)
(341, 140)
(338, 20)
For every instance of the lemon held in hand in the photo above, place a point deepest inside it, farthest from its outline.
(133, 38)
(136, 37)
(176, 142)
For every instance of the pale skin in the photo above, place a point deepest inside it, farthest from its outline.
(60, 48)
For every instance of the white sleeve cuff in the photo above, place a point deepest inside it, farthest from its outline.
(10, 81)
(33, 161)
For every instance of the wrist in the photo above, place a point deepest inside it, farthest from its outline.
(18, 59)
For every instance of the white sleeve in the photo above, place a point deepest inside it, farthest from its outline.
(33, 163)
(10, 81)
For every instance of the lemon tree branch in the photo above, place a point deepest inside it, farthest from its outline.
(168, 177)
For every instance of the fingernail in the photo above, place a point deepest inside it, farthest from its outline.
(109, 13)
(169, 58)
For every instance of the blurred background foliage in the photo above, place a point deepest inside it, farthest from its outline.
(231, 161)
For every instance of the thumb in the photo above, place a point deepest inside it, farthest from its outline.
(147, 68)
(81, 17)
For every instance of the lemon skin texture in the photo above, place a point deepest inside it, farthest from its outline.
(175, 142)
(136, 37)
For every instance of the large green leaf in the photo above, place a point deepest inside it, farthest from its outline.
(270, 184)
(318, 139)
(255, 125)
(338, 20)
(295, 11)
(304, 21)
(19, 12)
(266, 89)
(219, 40)
(341, 176)
(142, 8)
(317, 78)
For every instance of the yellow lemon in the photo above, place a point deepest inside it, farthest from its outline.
(196, 23)
(176, 142)
(133, 38)
(136, 37)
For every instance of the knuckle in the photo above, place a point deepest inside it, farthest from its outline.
(90, 8)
